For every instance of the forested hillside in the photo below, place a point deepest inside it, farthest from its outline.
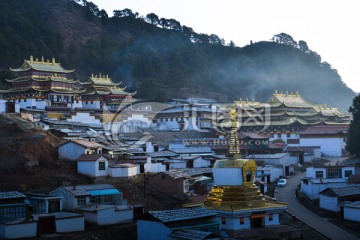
(160, 58)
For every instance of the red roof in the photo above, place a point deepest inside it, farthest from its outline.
(325, 130)
(90, 157)
(85, 143)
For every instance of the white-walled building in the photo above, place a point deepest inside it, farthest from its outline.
(93, 165)
(122, 170)
(82, 195)
(73, 149)
(331, 139)
(334, 198)
(269, 173)
(320, 178)
(352, 211)
(283, 159)
(343, 172)
(107, 214)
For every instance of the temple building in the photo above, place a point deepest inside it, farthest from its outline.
(287, 112)
(234, 198)
(40, 83)
(101, 91)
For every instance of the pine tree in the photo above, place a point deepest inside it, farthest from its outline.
(353, 140)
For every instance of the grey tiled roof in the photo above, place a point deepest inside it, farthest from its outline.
(10, 195)
(182, 214)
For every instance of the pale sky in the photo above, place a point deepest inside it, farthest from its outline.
(330, 27)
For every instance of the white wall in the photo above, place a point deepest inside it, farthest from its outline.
(329, 203)
(75, 224)
(233, 223)
(2, 105)
(148, 230)
(109, 216)
(122, 171)
(329, 146)
(84, 117)
(352, 214)
(275, 220)
(228, 176)
(95, 104)
(92, 168)
(177, 165)
(311, 172)
(312, 190)
(20, 230)
(200, 162)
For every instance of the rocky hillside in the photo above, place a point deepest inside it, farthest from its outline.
(28, 157)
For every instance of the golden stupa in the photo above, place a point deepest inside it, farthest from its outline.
(244, 195)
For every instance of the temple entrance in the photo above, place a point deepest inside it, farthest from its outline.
(257, 221)
(46, 225)
(10, 107)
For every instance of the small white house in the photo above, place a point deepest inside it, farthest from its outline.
(352, 211)
(73, 149)
(283, 159)
(122, 170)
(82, 195)
(107, 214)
(311, 187)
(92, 165)
(320, 178)
(269, 173)
(343, 172)
(334, 198)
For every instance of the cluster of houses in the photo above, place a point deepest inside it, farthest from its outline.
(334, 190)
(65, 209)
(184, 147)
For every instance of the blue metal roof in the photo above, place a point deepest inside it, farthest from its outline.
(111, 191)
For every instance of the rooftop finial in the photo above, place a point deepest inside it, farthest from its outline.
(286, 92)
(53, 61)
(276, 91)
(247, 99)
(240, 99)
(92, 75)
(31, 58)
(234, 149)
(42, 58)
(297, 93)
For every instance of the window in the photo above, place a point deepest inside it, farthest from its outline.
(334, 173)
(271, 217)
(101, 166)
(81, 201)
(223, 220)
(348, 173)
(319, 174)
(242, 220)
(279, 135)
(288, 135)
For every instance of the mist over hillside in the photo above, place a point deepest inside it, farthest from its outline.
(160, 58)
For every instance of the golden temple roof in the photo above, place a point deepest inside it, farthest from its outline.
(41, 65)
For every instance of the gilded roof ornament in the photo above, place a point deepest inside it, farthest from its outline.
(31, 59)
